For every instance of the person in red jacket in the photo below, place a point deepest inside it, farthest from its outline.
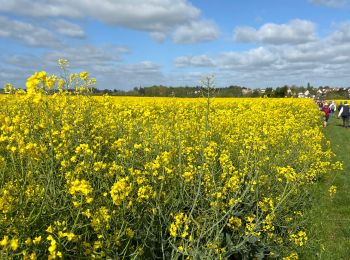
(326, 110)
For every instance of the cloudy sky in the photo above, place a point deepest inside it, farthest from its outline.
(132, 43)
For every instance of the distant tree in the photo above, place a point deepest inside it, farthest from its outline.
(142, 91)
(312, 90)
(341, 93)
(106, 91)
(236, 91)
(269, 92)
(95, 90)
(281, 91)
(231, 91)
(255, 93)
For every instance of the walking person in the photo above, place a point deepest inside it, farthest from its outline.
(333, 108)
(345, 113)
(339, 107)
(326, 110)
(320, 104)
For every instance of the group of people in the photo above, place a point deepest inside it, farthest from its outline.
(330, 108)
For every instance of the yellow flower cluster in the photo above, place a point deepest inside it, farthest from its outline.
(84, 75)
(299, 238)
(101, 220)
(180, 225)
(120, 191)
(234, 222)
(332, 190)
(8, 197)
(11, 243)
(36, 81)
(124, 177)
(41, 82)
(53, 252)
(292, 256)
(80, 187)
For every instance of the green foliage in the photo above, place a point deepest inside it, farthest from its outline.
(108, 177)
(328, 219)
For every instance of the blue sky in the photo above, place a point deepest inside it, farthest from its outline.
(132, 43)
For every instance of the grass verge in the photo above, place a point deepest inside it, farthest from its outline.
(329, 218)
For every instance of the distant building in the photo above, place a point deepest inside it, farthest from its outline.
(246, 91)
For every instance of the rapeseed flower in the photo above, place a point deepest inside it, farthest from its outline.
(114, 168)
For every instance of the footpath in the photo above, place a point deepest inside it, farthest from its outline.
(329, 229)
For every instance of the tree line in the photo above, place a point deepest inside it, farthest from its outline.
(322, 92)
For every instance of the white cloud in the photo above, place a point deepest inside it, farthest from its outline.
(196, 31)
(158, 17)
(253, 58)
(87, 56)
(27, 33)
(144, 67)
(245, 34)
(331, 3)
(15, 75)
(282, 58)
(102, 62)
(68, 29)
(316, 52)
(81, 57)
(122, 76)
(295, 32)
(152, 15)
(342, 34)
(158, 36)
(322, 61)
(127, 76)
(9, 75)
(194, 61)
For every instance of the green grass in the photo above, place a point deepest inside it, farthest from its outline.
(329, 219)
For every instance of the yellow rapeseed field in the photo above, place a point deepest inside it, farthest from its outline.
(145, 178)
